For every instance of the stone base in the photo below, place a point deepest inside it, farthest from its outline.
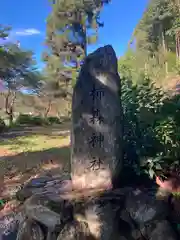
(121, 214)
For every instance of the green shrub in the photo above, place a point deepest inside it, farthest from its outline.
(151, 127)
(38, 121)
(24, 119)
(54, 120)
(31, 120)
(2, 125)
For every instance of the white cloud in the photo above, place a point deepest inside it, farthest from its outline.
(27, 32)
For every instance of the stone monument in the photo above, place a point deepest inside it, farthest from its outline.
(96, 157)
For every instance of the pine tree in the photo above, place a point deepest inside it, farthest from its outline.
(71, 27)
(17, 70)
(156, 35)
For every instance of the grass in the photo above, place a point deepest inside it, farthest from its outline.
(33, 154)
(38, 152)
(33, 143)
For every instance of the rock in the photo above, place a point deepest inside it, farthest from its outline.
(127, 228)
(75, 230)
(36, 209)
(50, 213)
(100, 213)
(33, 186)
(51, 236)
(100, 221)
(38, 182)
(42, 185)
(9, 225)
(30, 230)
(27, 192)
(143, 207)
(96, 122)
(159, 230)
(175, 209)
(121, 214)
(43, 215)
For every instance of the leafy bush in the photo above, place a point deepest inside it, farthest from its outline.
(30, 120)
(38, 121)
(54, 120)
(23, 119)
(2, 125)
(151, 127)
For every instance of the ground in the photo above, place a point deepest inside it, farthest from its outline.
(29, 152)
(26, 153)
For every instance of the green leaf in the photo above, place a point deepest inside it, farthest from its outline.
(158, 167)
(151, 173)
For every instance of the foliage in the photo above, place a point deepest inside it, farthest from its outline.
(54, 120)
(153, 48)
(25, 119)
(151, 127)
(151, 166)
(18, 68)
(17, 71)
(151, 117)
(2, 125)
(71, 27)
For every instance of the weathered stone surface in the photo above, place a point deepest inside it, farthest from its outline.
(127, 228)
(96, 122)
(8, 228)
(9, 224)
(41, 185)
(75, 230)
(25, 193)
(100, 220)
(100, 213)
(146, 216)
(143, 207)
(39, 182)
(120, 214)
(49, 213)
(30, 230)
(159, 230)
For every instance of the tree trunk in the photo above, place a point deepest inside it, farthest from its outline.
(9, 105)
(11, 115)
(165, 51)
(178, 46)
(85, 40)
(48, 109)
(178, 37)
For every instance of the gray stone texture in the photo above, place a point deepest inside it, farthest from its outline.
(96, 157)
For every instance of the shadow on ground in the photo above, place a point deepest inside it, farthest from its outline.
(25, 143)
(56, 130)
(16, 170)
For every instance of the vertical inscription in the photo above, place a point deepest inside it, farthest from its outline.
(96, 140)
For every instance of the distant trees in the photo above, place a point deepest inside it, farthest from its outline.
(156, 39)
(17, 71)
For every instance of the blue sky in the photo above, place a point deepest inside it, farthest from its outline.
(28, 19)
